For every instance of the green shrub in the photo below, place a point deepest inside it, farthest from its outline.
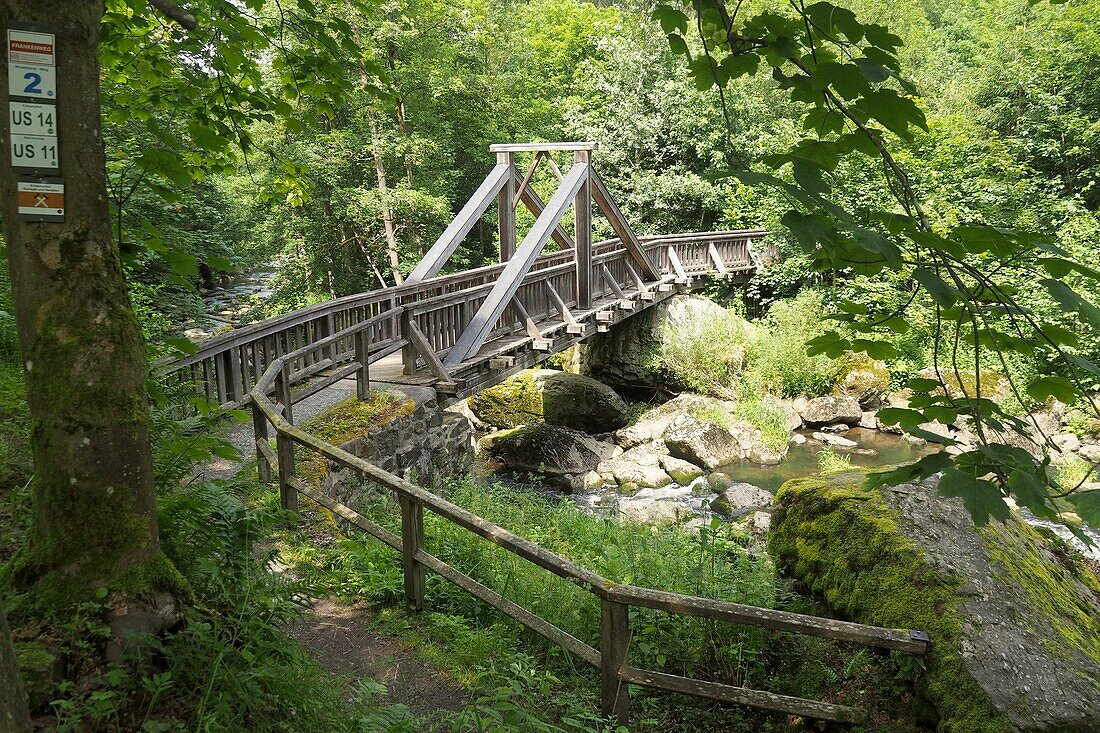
(778, 361)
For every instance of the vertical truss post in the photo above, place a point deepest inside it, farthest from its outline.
(582, 233)
(506, 210)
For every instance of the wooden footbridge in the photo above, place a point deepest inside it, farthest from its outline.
(465, 331)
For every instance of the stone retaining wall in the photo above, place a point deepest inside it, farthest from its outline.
(425, 446)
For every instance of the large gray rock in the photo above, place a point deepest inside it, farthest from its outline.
(740, 498)
(1012, 615)
(582, 403)
(515, 401)
(702, 443)
(622, 357)
(549, 450)
(832, 409)
(682, 472)
(653, 422)
(646, 510)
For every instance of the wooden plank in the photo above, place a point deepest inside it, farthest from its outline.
(420, 343)
(614, 649)
(263, 447)
(612, 282)
(511, 609)
(622, 229)
(457, 230)
(716, 259)
(477, 332)
(556, 299)
(540, 147)
(529, 324)
(741, 696)
(259, 429)
(288, 496)
(582, 231)
(677, 266)
(526, 181)
(506, 208)
(914, 642)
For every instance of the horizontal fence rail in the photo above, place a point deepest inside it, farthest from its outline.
(425, 319)
(612, 656)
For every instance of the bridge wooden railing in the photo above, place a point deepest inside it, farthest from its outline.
(612, 657)
(226, 367)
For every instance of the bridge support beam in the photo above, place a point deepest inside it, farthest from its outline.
(506, 207)
(582, 232)
(479, 328)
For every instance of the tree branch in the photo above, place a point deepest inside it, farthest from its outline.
(175, 13)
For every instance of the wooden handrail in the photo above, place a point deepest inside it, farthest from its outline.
(612, 658)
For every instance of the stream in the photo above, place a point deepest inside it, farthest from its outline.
(226, 304)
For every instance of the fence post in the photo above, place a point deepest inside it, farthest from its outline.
(412, 541)
(283, 392)
(288, 495)
(614, 646)
(362, 355)
(582, 232)
(408, 352)
(259, 427)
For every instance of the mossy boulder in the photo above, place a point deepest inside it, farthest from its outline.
(1014, 625)
(867, 380)
(582, 403)
(515, 401)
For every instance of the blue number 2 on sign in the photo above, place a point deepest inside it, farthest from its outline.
(35, 80)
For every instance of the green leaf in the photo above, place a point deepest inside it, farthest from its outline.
(873, 71)
(943, 294)
(672, 19)
(1072, 301)
(983, 500)
(182, 263)
(1057, 387)
(678, 45)
(1087, 504)
(184, 346)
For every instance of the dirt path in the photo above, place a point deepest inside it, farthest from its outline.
(342, 639)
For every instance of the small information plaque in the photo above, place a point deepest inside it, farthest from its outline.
(41, 200)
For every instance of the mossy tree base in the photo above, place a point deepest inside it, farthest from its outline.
(1015, 628)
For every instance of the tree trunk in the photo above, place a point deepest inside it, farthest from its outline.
(94, 520)
(13, 702)
(387, 212)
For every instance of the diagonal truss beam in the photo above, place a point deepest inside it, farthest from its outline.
(535, 205)
(457, 230)
(479, 328)
(622, 228)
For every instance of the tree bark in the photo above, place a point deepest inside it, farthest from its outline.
(387, 212)
(14, 717)
(94, 519)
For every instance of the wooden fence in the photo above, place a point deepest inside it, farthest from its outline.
(612, 658)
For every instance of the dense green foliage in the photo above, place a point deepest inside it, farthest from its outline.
(928, 169)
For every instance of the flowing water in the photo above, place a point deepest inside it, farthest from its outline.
(224, 305)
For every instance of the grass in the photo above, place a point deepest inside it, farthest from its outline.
(830, 462)
(489, 652)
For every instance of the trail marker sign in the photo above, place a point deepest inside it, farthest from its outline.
(32, 118)
(31, 47)
(41, 200)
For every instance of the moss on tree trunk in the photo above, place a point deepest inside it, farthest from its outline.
(83, 354)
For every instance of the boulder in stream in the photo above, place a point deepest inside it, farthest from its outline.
(547, 450)
(1013, 616)
(831, 409)
(582, 403)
